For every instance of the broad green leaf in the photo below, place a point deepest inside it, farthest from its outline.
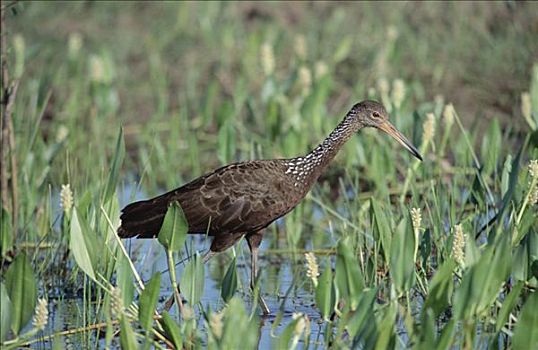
(79, 246)
(229, 283)
(171, 329)
(508, 305)
(173, 232)
(192, 280)
(119, 154)
(325, 293)
(22, 291)
(148, 301)
(348, 277)
(402, 263)
(441, 287)
(526, 334)
(127, 335)
(5, 315)
(381, 228)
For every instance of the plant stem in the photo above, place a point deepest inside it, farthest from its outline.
(172, 273)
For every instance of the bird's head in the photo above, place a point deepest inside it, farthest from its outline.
(373, 114)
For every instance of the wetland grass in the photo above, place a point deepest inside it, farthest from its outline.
(399, 254)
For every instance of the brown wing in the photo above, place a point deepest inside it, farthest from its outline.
(242, 197)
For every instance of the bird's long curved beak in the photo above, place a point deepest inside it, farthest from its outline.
(387, 127)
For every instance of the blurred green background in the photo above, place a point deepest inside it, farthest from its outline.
(123, 100)
(142, 64)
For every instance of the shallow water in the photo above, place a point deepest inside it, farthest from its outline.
(279, 289)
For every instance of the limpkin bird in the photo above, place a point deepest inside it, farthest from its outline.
(242, 199)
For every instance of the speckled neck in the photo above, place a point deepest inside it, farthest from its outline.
(307, 169)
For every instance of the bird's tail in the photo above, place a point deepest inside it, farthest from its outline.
(143, 219)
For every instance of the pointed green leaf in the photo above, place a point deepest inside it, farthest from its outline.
(192, 280)
(348, 276)
(22, 291)
(124, 279)
(6, 233)
(386, 338)
(508, 305)
(402, 263)
(119, 154)
(286, 335)
(148, 301)
(526, 334)
(171, 329)
(381, 228)
(362, 324)
(79, 246)
(127, 335)
(325, 293)
(482, 281)
(441, 287)
(173, 232)
(229, 283)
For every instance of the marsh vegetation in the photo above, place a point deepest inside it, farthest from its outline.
(117, 102)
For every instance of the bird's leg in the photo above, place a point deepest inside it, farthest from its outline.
(208, 255)
(254, 240)
(219, 244)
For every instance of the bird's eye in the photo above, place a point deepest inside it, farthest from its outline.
(376, 115)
